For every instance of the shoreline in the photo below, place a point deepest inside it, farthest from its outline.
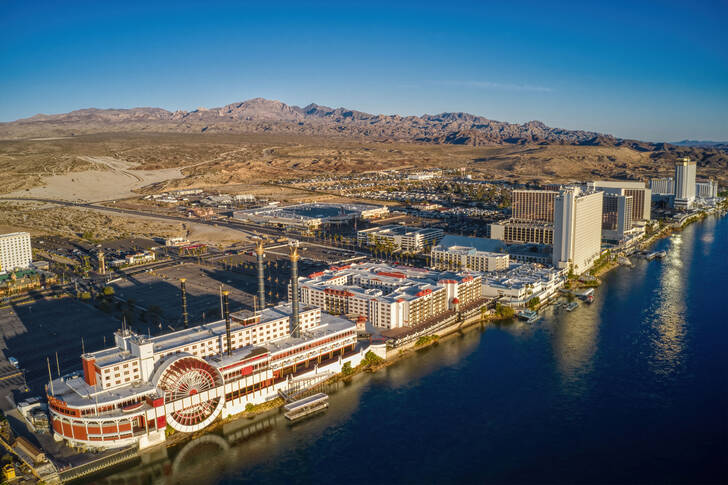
(175, 439)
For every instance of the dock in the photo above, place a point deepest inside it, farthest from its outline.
(306, 406)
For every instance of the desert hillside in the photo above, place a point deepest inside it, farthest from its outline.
(141, 149)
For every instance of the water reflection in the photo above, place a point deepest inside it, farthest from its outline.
(574, 341)
(668, 321)
(708, 237)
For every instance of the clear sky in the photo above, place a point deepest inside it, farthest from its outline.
(654, 70)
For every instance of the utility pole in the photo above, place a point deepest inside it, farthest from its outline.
(58, 366)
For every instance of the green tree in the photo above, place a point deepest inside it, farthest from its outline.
(108, 291)
(346, 369)
(372, 359)
(504, 311)
(533, 302)
(85, 295)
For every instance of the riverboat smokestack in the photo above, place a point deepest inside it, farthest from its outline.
(261, 275)
(185, 317)
(295, 328)
(227, 323)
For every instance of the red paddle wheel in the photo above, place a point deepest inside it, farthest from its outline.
(188, 377)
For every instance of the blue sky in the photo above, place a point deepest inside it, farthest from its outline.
(654, 70)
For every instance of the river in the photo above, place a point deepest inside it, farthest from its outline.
(633, 388)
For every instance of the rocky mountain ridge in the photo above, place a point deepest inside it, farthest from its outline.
(262, 115)
(265, 116)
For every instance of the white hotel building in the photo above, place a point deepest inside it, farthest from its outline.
(458, 253)
(577, 229)
(15, 251)
(400, 237)
(388, 297)
(521, 283)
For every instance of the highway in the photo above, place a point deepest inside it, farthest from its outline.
(250, 230)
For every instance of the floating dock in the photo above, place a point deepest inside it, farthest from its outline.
(306, 406)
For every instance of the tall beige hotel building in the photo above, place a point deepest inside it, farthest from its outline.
(577, 228)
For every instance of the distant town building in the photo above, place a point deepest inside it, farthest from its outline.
(176, 241)
(521, 232)
(217, 200)
(413, 239)
(533, 205)
(186, 192)
(468, 253)
(616, 215)
(245, 198)
(389, 297)
(424, 175)
(310, 216)
(706, 190)
(684, 184)
(15, 251)
(531, 219)
(136, 258)
(577, 229)
(641, 195)
(201, 212)
(663, 186)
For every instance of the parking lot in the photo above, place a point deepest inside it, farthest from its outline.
(159, 291)
(36, 331)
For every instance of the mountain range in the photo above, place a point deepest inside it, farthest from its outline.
(267, 116)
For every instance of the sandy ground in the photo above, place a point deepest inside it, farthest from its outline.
(215, 235)
(47, 219)
(114, 179)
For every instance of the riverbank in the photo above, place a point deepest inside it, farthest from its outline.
(396, 356)
(575, 377)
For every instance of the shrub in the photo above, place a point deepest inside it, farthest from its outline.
(504, 311)
(108, 291)
(426, 339)
(249, 407)
(370, 358)
(533, 302)
(346, 369)
(85, 295)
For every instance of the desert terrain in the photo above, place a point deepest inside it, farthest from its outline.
(114, 166)
(259, 145)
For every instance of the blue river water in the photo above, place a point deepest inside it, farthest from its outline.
(630, 389)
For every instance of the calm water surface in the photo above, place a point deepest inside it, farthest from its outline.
(633, 388)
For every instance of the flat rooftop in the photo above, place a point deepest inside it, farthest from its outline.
(192, 335)
(479, 243)
(398, 230)
(312, 211)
